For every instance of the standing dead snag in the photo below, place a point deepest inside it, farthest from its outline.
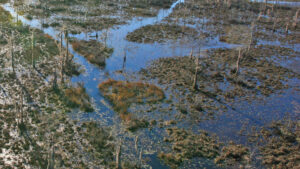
(118, 156)
(251, 35)
(296, 19)
(62, 58)
(21, 107)
(238, 62)
(67, 46)
(274, 24)
(195, 86)
(191, 54)
(11, 44)
(287, 28)
(124, 61)
(32, 48)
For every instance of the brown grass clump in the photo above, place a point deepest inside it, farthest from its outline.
(160, 33)
(233, 154)
(94, 51)
(237, 34)
(79, 98)
(100, 139)
(170, 159)
(187, 145)
(279, 144)
(123, 94)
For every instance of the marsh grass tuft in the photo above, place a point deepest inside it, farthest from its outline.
(122, 94)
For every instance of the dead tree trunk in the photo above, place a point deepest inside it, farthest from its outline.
(124, 60)
(191, 54)
(21, 107)
(251, 35)
(118, 156)
(140, 157)
(32, 48)
(238, 62)
(54, 84)
(136, 143)
(287, 28)
(296, 19)
(12, 52)
(274, 24)
(195, 86)
(62, 58)
(67, 46)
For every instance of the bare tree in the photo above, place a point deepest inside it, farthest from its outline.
(238, 62)
(11, 39)
(296, 19)
(32, 48)
(195, 86)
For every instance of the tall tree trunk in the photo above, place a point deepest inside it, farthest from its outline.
(12, 52)
(238, 62)
(118, 156)
(195, 86)
(32, 48)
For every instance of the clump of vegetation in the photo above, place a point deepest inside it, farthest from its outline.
(160, 33)
(5, 16)
(237, 34)
(233, 154)
(136, 124)
(186, 145)
(94, 51)
(122, 94)
(79, 98)
(152, 3)
(279, 144)
(100, 140)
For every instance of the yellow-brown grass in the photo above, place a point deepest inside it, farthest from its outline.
(122, 94)
(79, 98)
(94, 51)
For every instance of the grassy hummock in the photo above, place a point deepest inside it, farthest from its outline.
(122, 94)
(94, 51)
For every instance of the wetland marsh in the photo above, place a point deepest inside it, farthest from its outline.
(149, 84)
